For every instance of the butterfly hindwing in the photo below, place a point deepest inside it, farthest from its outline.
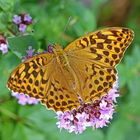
(95, 80)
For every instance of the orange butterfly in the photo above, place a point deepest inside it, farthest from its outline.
(83, 71)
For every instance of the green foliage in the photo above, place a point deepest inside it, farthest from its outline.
(7, 63)
(19, 45)
(61, 21)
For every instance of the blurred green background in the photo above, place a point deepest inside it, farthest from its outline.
(61, 21)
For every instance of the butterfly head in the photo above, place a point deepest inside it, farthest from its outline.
(57, 49)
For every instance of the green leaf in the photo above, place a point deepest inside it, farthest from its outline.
(119, 129)
(19, 45)
(7, 62)
(7, 118)
(39, 120)
(38, 117)
(32, 134)
(2, 21)
(8, 108)
(129, 70)
(89, 134)
(7, 5)
(122, 75)
(19, 133)
(6, 130)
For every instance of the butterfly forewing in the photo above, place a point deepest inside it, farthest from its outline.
(105, 47)
(94, 56)
(31, 76)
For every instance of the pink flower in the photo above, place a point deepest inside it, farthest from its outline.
(32, 100)
(4, 48)
(24, 99)
(50, 48)
(22, 27)
(100, 123)
(17, 19)
(27, 19)
(30, 53)
(97, 114)
(22, 21)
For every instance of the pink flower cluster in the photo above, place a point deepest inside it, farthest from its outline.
(30, 53)
(3, 44)
(24, 99)
(22, 21)
(50, 48)
(97, 114)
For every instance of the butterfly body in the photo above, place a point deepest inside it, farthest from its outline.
(66, 69)
(85, 69)
(60, 55)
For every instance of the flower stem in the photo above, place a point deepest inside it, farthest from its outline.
(8, 113)
(11, 31)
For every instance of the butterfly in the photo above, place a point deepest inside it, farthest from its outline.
(84, 71)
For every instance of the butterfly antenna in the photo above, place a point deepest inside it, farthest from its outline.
(67, 24)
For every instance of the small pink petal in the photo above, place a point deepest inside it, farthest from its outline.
(27, 18)
(22, 99)
(4, 48)
(17, 19)
(22, 27)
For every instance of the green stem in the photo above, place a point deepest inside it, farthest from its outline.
(9, 114)
(5, 99)
(11, 31)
